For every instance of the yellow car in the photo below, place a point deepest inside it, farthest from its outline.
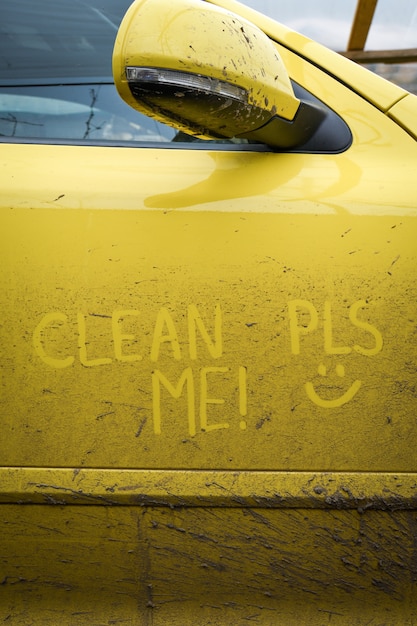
(209, 322)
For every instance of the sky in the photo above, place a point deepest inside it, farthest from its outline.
(329, 21)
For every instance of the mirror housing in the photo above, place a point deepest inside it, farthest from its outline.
(209, 73)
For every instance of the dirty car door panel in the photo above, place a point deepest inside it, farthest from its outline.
(208, 373)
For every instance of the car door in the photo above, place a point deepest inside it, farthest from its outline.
(208, 370)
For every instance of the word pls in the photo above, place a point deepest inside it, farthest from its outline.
(305, 319)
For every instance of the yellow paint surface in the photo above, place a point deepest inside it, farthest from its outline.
(209, 340)
(208, 380)
(156, 565)
(404, 114)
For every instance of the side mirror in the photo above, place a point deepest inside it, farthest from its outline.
(209, 73)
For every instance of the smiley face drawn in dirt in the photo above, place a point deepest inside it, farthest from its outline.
(362, 337)
(336, 402)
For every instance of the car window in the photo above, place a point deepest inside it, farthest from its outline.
(56, 82)
(57, 39)
(55, 74)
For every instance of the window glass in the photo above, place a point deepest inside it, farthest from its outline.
(55, 74)
(57, 39)
(91, 112)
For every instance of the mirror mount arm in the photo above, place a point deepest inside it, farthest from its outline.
(286, 134)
